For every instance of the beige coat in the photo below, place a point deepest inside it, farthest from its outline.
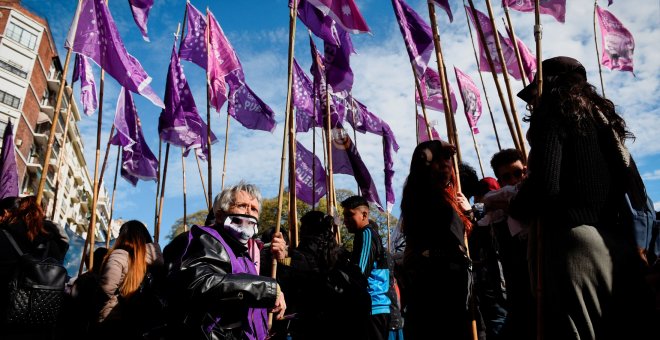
(113, 273)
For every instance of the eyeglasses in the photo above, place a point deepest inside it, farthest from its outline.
(507, 176)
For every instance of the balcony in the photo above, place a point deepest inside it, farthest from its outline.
(54, 82)
(34, 165)
(77, 176)
(75, 199)
(46, 108)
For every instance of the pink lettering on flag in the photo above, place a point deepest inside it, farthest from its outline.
(471, 99)
(617, 42)
(555, 8)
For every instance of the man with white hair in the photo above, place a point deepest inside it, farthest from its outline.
(221, 295)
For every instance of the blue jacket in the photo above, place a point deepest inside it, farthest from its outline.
(371, 257)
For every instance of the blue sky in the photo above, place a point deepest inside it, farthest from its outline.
(258, 30)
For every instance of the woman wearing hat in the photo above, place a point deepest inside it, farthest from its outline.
(592, 283)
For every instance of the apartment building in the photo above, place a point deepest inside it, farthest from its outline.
(30, 73)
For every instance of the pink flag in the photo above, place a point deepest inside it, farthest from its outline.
(491, 48)
(432, 91)
(555, 8)
(528, 60)
(444, 4)
(471, 99)
(421, 129)
(344, 12)
(221, 61)
(617, 42)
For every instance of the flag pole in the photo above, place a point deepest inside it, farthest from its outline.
(160, 147)
(452, 134)
(162, 195)
(416, 122)
(476, 148)
(292, 37)
(600, 70)
(224, 160)
(185, 207)
(209, 165)
(331, 181)
(538, 36)
(505, 109)
(507, 83)
(201, 177)
(483, 84)
(512, 36)
(421, 102)
(60, 157)
(293, 211)
(354, 135)
(53, 127)
(112, 204)
(314, 153)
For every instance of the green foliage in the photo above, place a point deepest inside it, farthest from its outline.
(268, 216)
(198, 218)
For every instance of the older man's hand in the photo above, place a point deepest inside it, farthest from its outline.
(278, 247)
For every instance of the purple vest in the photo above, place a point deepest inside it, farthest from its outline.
(255, 326)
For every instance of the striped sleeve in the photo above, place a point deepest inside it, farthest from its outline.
(365, 251)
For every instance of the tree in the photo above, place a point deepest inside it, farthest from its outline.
(268, 217)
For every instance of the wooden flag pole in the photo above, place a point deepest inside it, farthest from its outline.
(60, 157)
(507, 84)
(452, 136)
(209, 163)
(201, 178)
(293, 211)
(53, 128)
(483, 85)
(314, 155)
(505, 109)
(331, 182)
(185, 207)
(112, 204)
(162, 195)
(600, 70)
(224, 160)
(538, 35)
(355, 137)
(421, 102)
(476, 149)
(512, 35)
(416, 121)
(292, 36)
(160, 147)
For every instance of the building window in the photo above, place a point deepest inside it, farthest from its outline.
(10, 100)
(21, 36)
(13, 68)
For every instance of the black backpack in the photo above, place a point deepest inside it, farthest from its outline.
(36, 289)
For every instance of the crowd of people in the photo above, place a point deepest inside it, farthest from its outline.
(542, 251)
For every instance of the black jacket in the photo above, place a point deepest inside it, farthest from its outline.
(205, 289)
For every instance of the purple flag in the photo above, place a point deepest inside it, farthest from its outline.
(417, 35)
(618, 43)
(346, 160)
(307, 108)
(193, 45)
(246, 107)
(318, 72)
(180, 123)
(221, 61)
(555, 8)
(137, 159)
(390, 198)
(8, 169)
(309, 179)
(93, 33)
(432, 91)
(444, 4)
(321, 25)
(83, 70)
(140, 9)
(610, 2)
(337, 62)
(491, 47)
(471, 99)
(421, 129)
(344, 12)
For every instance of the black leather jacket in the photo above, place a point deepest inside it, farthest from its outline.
(206, 292)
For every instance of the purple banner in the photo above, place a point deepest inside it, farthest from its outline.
(321, 25)
(221, 61)
(417, 35)
(421, 129)
(94, 34)
(8, 169)
(193, 45)
(338, 62)
(471, 99)
(432, 91)
(310, 176)
(555, 8)
(344, 12)
(617, 42)
(140, 10)
(444, 4)
(82, 71)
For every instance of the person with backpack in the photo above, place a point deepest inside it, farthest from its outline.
(27, 243)
(125, 274)
(368, 253)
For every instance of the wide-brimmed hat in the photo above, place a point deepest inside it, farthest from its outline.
(554, 68)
